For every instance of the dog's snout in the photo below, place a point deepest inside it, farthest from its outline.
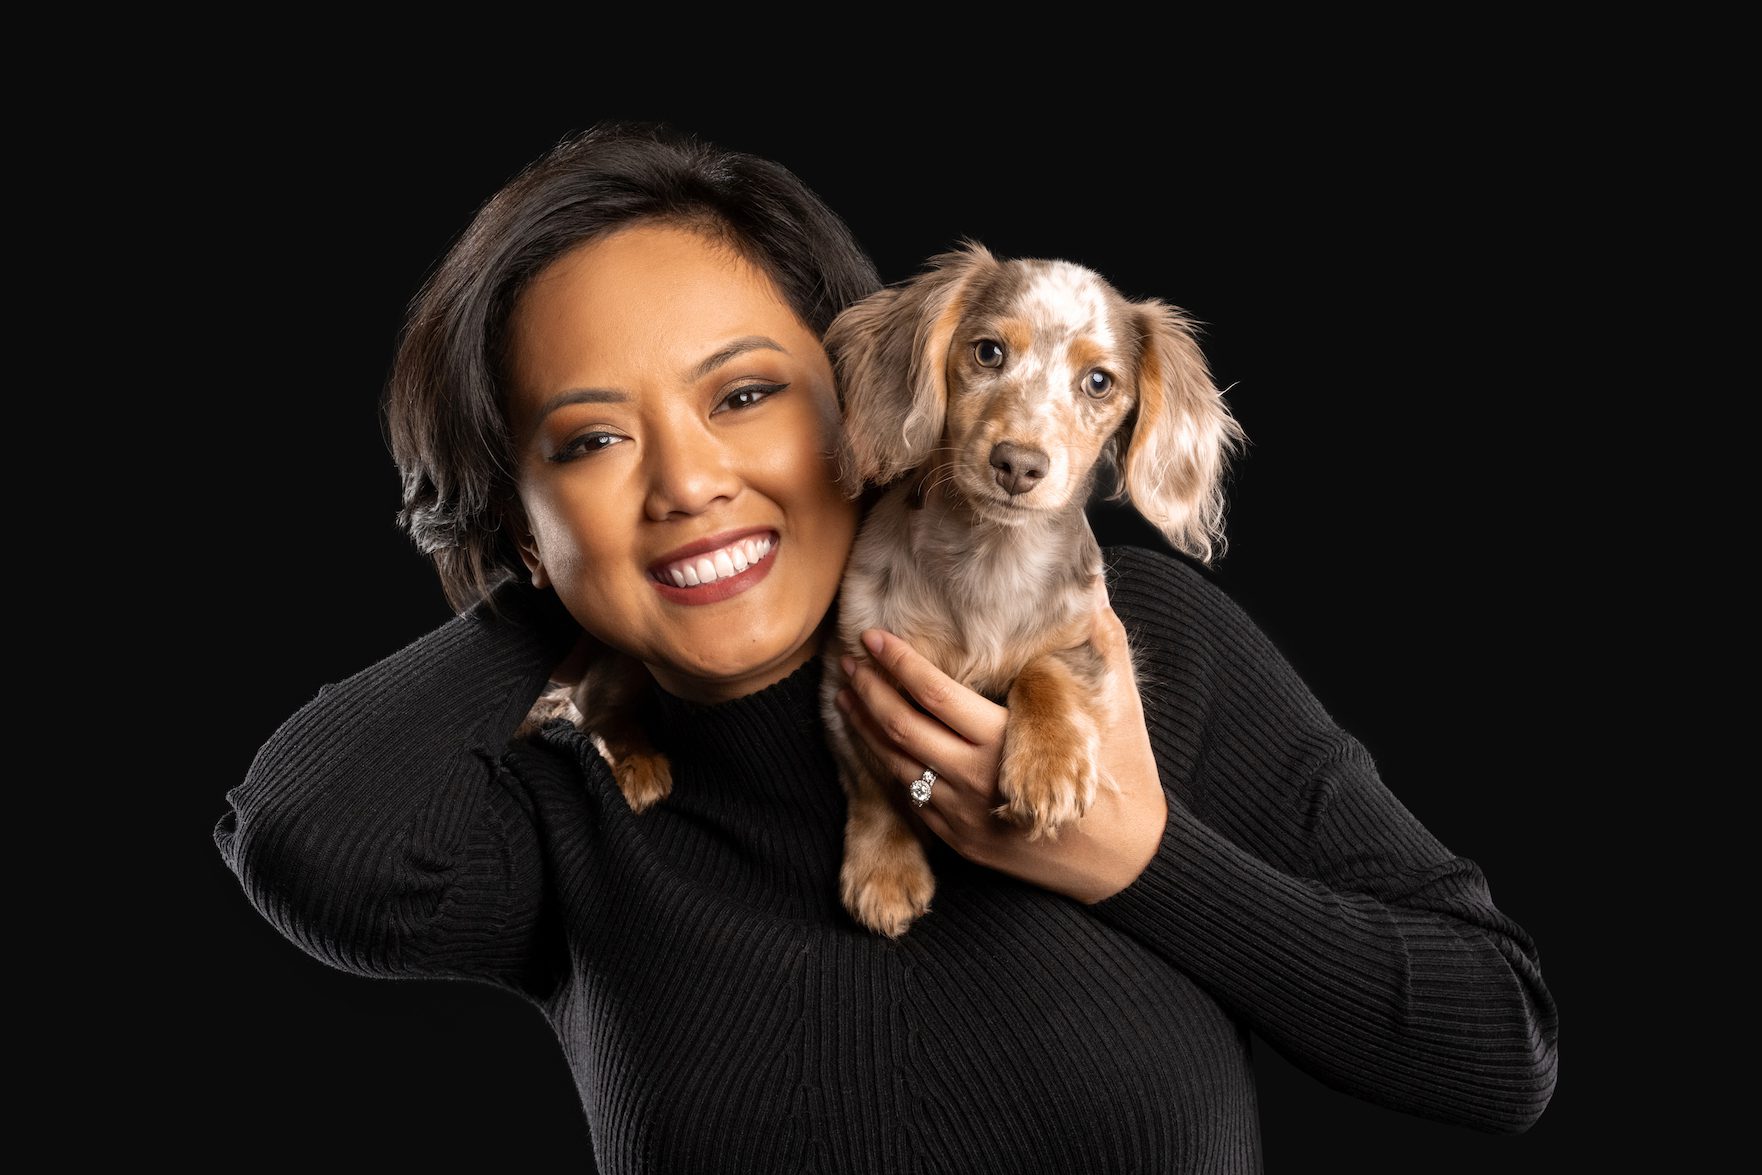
(1019, 468)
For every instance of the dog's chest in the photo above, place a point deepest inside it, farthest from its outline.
(977, 612)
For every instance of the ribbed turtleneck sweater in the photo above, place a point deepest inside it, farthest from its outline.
(721, 1012)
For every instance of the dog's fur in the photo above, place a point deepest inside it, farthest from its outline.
(992, 586)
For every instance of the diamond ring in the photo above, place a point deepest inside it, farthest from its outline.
(921, 787)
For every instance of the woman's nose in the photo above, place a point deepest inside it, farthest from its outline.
(688, 471)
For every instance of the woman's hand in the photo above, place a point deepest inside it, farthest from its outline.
(1090, 860)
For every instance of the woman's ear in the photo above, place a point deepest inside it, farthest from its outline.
(1181, 435)
(528, 544)
(890, 355)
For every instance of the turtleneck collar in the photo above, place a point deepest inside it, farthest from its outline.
(767, 747)
(755, 777)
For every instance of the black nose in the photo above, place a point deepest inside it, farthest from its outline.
(1019, 468)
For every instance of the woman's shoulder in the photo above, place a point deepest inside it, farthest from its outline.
(1185, 626)
(1143, 580)
(1171, 601)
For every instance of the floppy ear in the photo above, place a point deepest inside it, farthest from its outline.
(1181, 435)
(890, 357)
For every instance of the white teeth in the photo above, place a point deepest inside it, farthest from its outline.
(730, 560)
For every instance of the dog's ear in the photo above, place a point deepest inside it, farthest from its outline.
(890, 356)
(1180, 437)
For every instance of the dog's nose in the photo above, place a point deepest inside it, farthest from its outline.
(1019, 468)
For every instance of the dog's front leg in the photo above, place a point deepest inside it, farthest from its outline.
(1050, 767)
(886, 882)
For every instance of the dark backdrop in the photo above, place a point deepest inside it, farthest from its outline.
(1381, 295)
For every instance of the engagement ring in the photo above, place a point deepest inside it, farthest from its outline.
(921, 787)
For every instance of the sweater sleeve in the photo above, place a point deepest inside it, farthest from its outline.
(379, 828)
(1293, 885)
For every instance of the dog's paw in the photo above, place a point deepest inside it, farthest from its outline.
(887, 891)
(645, 779)
(550, 705)
(1049, 774)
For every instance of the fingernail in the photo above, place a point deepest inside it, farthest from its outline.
(873, 640)
(848, 665)
(842, 698)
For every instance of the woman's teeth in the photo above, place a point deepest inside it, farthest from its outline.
(730, 560)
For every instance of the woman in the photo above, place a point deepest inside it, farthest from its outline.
(620, 359)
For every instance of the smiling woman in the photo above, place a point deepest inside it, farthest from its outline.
(618, 433)
(654, 452)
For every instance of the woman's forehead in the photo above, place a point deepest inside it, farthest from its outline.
(647, 305)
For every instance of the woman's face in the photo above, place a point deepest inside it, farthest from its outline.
(674, 423)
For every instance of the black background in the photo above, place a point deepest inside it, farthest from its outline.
(1387, 281)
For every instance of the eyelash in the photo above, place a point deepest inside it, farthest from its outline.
(578, 446)
(768, 391)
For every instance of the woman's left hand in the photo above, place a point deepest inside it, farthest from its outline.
(961, 738)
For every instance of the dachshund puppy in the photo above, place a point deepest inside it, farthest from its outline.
(986, 396)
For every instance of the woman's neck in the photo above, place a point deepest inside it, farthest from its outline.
(714, 691)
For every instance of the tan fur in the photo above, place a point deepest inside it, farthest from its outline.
(1050, 769)
(1174, 464)
(603, 704)
(884, 882)
(990, 587)
(1083, 354)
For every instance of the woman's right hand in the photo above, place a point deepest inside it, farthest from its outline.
(962, 734)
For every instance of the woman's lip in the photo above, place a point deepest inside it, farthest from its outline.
(714, 542)
(721, 589)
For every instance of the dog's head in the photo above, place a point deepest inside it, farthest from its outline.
(1014, 382)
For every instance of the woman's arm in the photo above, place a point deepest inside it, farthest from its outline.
(1295, 886)
(1282, 874)
(1388, 973)
(379, 829)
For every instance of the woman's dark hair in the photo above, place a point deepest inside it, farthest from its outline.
(445, 405)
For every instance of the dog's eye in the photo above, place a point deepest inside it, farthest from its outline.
(1098, 383)
(989, 353)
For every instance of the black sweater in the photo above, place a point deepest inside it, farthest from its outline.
(721, 1012)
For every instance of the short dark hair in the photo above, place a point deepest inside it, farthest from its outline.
(444, 408)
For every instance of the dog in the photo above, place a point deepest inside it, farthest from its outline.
(987, 396)
(981, 399)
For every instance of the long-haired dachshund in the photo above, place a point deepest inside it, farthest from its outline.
(987, 395)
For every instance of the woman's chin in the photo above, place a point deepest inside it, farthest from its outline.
(717, 675)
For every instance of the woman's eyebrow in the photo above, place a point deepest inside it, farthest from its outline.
(579, 396)
(733, 350)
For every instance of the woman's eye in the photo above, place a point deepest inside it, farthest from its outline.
(586, 443)
(750, 394)
(1098, 383)
(989, 353)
